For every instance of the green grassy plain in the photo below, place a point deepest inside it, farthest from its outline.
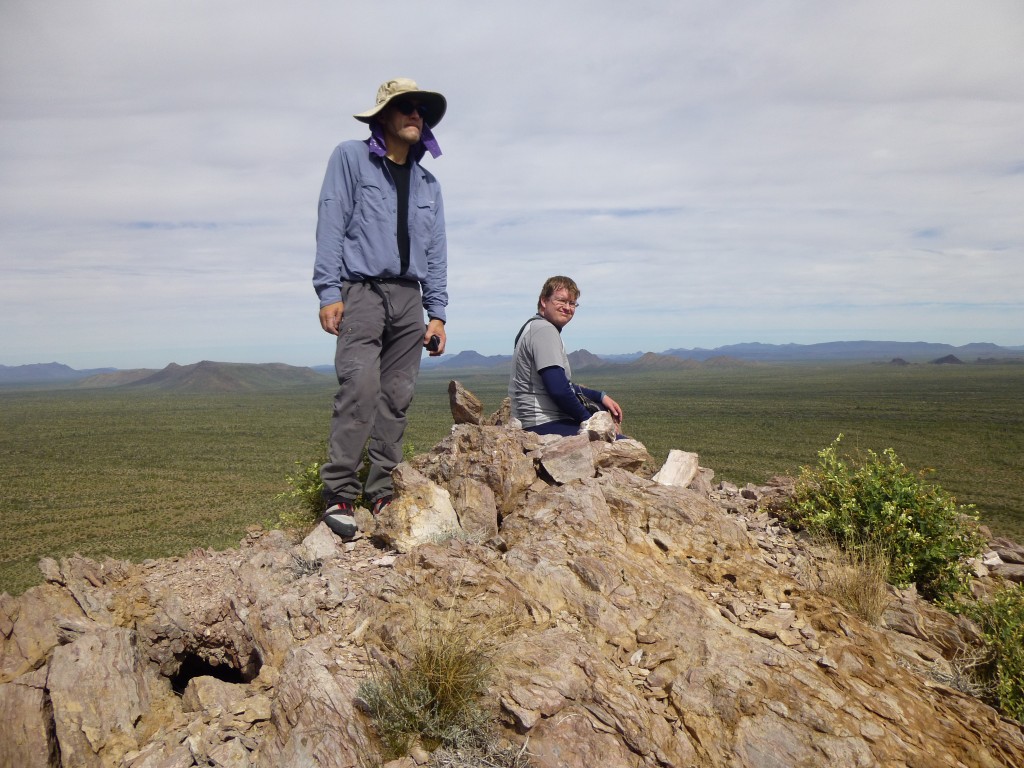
(135, 475)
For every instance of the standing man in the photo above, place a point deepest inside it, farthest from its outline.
(381, 260)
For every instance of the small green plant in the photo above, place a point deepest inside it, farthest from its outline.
(435, 695)
(1002, 623)
(927, 537)
(306, 494)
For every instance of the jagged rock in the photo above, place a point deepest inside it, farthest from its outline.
(679, 469)
(211, 696)
(495, 456)
(27, 739)
(476, 507)
(319, 545)
(600, 426)
(502, 416)
(466, 407)
(640, 624)
(1008, 551)
(422, 511)
(100, 690)
(313, 719)
(627, 454)
(1010, 571)
(991, 558)
(567, 459)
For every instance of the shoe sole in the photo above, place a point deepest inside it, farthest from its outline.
(342, 524)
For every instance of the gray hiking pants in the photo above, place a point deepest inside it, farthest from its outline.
(377, 360)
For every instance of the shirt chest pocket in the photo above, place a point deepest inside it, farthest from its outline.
(422, 210)
(371, 206)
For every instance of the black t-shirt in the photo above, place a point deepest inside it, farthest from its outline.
(400, 173)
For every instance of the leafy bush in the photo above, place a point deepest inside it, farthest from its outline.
(1002, 623)
(926, 535)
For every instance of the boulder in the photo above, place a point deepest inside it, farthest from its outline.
(466, 407)
(679, 469)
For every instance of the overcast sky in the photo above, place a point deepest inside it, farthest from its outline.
(708, 172)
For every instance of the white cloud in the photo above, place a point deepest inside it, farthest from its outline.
(709, 173)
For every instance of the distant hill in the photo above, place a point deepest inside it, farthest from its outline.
(116, 378)
(214, 377)
(582, 360)
(472, 359)
(623, 358)
(40, 373)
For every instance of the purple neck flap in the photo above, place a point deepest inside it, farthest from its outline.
(427, 143)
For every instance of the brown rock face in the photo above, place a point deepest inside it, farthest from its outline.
(649, 625)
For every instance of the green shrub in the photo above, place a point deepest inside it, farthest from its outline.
(1002, 623)
(926, 535)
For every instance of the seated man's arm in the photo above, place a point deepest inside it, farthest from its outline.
(557, 385)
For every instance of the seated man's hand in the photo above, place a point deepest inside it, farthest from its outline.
(613, 408)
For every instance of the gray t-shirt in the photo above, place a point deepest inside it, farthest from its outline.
(539, 346)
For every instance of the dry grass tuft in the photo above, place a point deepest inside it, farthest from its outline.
(434, 698)
(968, 673)
(302, 565)
(857, 578)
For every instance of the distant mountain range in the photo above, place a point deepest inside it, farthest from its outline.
(210, 376)
(911, 351)
(206, 376)
(834, 351)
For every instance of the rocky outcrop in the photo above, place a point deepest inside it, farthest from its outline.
(667, 622)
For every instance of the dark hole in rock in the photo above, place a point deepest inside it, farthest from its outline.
(194, 666)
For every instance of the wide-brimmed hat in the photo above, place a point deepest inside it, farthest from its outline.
(435, 103)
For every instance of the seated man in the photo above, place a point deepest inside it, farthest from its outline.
(543, 397)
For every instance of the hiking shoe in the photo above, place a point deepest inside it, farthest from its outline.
(341, 518)
(379, 504)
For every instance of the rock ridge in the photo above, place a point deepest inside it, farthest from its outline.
(651, 624)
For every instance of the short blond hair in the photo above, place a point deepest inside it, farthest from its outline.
(555, 283)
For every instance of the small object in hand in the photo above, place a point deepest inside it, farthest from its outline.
(434, 343)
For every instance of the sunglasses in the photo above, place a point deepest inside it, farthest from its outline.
(408, 107)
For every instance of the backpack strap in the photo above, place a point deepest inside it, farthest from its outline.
(518, 335)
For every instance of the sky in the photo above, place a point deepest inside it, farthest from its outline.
(708, 172)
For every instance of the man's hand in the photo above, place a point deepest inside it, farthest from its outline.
(435, 328)
(613, 408)
(330, 317)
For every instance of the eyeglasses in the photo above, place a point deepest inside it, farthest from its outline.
(408, 107)
(566, 303)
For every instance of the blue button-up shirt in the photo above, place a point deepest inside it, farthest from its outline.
(357, 225)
